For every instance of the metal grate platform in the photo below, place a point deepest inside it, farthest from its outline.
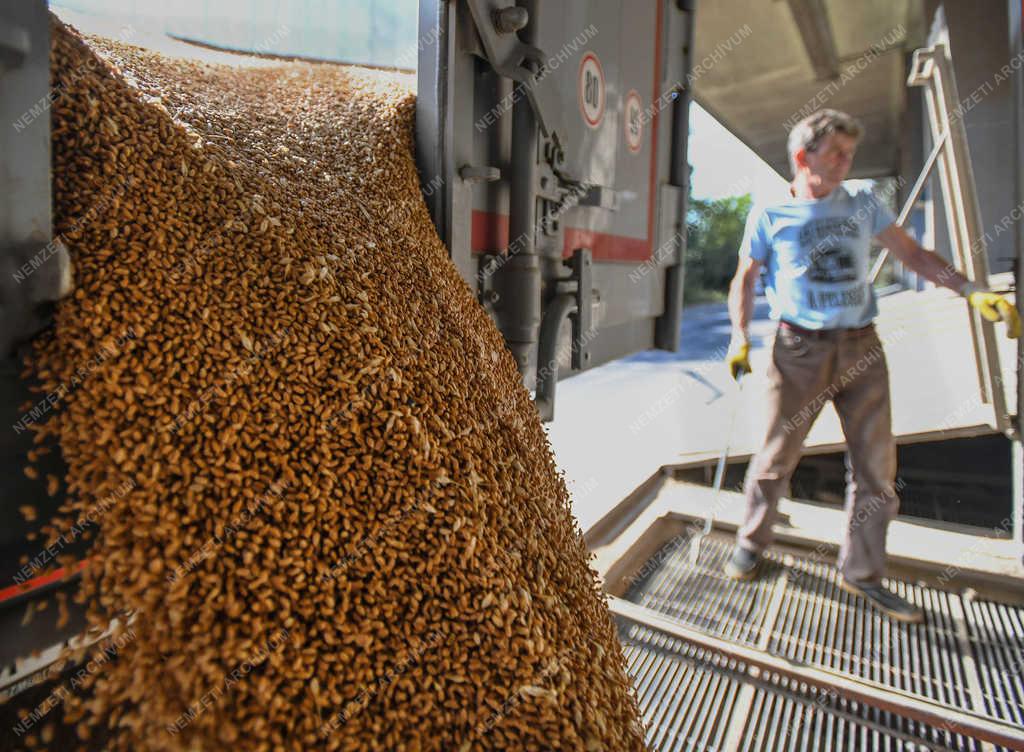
(668, 675)
(969, 654)
(996, 634)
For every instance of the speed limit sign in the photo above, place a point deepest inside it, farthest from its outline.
(634, 122)
(591, 90)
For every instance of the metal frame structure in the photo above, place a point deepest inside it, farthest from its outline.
(795, 636)
(34, 267)
(34, 271)
(518, 201)
(932, 69)
(756, 661)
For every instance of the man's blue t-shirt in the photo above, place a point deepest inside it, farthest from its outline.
(816, 256)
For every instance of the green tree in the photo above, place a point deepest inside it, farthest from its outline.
(714, 234)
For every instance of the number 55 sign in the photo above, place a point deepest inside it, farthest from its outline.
(634, 121)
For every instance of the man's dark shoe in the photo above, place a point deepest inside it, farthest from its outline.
(885, 600)
(744, 564)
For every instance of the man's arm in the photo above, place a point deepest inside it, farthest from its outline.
(741, 309)
(929, 265)
(741, 295)
(935, 269)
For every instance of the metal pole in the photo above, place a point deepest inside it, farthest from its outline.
(521, 272)
(666, 327)
(908, 206)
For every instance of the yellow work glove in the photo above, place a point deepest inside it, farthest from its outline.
(738, 356)
(994, 307)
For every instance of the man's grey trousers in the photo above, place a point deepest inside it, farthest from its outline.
(807, 370)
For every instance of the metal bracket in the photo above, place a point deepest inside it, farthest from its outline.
(600, 197)
(497, 23)
(479, 174)
(582, 265)
(549, 185)
(32, 276)
(564, 196)
(15, 45)
(573, 301)
(488, 264)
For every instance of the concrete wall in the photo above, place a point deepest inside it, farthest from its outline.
(978, 38)
(912, 156)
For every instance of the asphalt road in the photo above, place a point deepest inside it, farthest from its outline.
(617, 424)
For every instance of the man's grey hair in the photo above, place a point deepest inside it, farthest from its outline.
(813, 129)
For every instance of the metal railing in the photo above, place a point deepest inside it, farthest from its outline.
(932, 69)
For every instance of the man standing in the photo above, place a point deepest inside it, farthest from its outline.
(814, 247)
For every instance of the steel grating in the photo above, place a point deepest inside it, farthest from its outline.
(668, 675)
(968, 654)
(702, 596)
(823, 625)
(996, 634)
(795, 722)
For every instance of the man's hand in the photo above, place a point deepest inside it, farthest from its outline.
(741, 308)
(738, 356)
(994, 307)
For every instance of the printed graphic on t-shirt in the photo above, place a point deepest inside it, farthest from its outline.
(832, 265)
(851, 296)
(827, 231)
(831, 262)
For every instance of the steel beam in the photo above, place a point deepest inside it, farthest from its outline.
(811, 21)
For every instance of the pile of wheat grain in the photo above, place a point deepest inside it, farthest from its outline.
(344, 529)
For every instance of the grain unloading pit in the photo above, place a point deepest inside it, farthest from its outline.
(963, 658)
(791, 661)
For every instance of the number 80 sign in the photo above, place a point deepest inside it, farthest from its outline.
(591, 90)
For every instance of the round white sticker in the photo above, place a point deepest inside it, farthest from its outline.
(634, 124)
(591, 90)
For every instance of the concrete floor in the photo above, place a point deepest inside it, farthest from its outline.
(617, 424)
